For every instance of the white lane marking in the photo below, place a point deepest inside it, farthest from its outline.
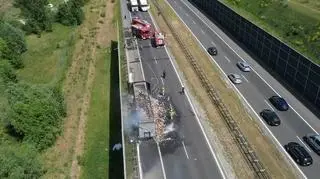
(213, 44)
(161, 161)
(193, 22)
(139, 162)
(227, 58)
(185, 149)
(162, 81)
(268, 105)
(192, 106)
(261, 121)
(251, 67)
(187, 14)
(245, 78)
(156, 60)
(303, 143)
(202, 31)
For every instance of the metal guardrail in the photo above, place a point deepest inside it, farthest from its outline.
(241, 141)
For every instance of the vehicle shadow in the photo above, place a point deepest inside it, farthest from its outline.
(115, 156)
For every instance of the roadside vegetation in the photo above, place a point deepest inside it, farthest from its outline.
(36, 46)
(296, 22)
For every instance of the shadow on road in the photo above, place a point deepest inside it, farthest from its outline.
(115, 157)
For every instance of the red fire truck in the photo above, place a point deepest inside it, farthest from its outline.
(141, 28)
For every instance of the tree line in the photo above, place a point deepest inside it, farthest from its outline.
(33, 114)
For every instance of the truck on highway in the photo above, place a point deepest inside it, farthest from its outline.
(144, 6)
(141, 28)
(158, 39)
(134, 6)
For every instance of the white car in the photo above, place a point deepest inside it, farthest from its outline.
(235, 78)
(244, 66)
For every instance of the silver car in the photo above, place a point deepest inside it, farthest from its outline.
(235, 78)
(244, 66)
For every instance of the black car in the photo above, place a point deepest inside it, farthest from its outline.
(212, 50)
(279, 103)
(299, 154)
(270, 117)
(313, 140)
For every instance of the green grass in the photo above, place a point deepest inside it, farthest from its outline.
(103, 125)
(303, 9)
(47, 56)
(293, 23)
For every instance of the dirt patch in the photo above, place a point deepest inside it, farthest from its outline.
(267, 152)
(77, 89)
(5, 5)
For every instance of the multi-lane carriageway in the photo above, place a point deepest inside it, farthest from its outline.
(189, 156)
(257, 85)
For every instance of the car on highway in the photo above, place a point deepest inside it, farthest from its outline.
(270, 117)
(299, 154)
(279, 103)
(313, 140)
(244, 66)
(235, 78)
(212, 50)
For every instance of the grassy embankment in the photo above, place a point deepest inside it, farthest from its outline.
(103, 128)
(267, 152)
(295, 22)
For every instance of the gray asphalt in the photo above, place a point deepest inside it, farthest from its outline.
(195, 160)
(255, 90)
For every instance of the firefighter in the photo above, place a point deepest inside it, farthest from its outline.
(125, 17)
(164, 74)
(182, 90)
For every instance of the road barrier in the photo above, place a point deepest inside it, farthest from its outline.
(241, 141)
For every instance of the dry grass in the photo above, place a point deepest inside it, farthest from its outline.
(61, 159)
(5, 5)
(267, 152)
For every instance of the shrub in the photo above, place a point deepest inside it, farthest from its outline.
(19, 162)
(37, 13)
(35, 113)
(15, 42)
(70, 13)
(7, 73)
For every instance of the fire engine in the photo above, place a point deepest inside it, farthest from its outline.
(141, 28)
(158, 39)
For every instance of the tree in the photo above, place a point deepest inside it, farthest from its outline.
(35, 113)
(37, 13)
(19, 161)
(15, 42)
(70, 13)
(7, 73)
(4, 50)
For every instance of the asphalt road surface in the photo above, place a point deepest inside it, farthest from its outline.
(257, 85)
(187, 156)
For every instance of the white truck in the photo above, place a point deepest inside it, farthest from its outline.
(144, 6)
(134, 6)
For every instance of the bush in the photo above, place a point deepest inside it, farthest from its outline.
(35, 113)
(70, 13)
(7, 73)
(37, 13)
(15, 42)
(19, 162)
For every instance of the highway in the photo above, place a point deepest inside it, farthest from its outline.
(188, 156)
(257, 85)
